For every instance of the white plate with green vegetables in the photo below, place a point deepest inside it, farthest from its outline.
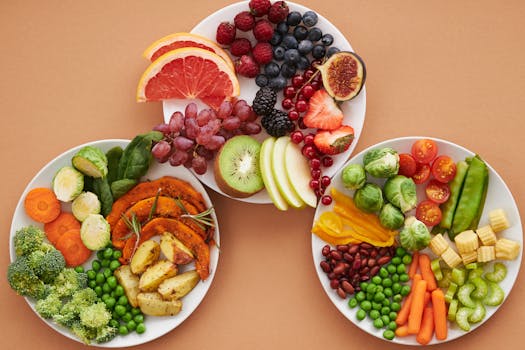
(498, 196)
(155, 326)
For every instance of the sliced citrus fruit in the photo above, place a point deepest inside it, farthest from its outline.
(343, 75)
(180, 40)
(188, 73)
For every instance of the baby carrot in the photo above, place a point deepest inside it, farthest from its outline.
(41, 204)
(440, 314)
(412, 270)
(427, 327)
(426, 271)
(402, 331)
(417, 306)
(402, 315)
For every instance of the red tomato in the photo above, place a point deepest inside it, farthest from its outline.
(407, 165)
(437, 192)
(429, 213)
(444, 169)
(422, 173)
(424, 151)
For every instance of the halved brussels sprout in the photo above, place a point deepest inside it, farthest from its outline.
(68, 183)
(381, 162)
(91, 161)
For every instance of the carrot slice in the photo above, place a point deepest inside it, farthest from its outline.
(63, 223)
(416, 307)
(440, 314)
(41, 204)
(426, 272)
(72, 248)
(427, 327)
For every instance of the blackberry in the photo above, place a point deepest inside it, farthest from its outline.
(277, 123)
(264, 101)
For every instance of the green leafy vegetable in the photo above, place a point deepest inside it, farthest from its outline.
(401, 191)
(121, 187)
(136, 158)
(415, 234)
(369, 198)
(381, 162)
(353, 176)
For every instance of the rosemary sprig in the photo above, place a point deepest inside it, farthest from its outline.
(154, 206)
(135, 227)
(202, 219)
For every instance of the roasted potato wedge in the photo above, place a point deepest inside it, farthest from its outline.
(178, 286)
(155, 274)
(145, 255)
(130, 283)
(152, 304)
(174, 250)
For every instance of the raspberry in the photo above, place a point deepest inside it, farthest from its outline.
(263, 53)
(278, 12)
(241, 46)
(225, 33)
(259, 8)
(247, 67)
(244, 21)
(263, 30)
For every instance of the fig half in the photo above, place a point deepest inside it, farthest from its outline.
(343, 75)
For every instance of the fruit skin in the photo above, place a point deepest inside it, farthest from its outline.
(339, 78)
(277, 123)
(241, 46)
(298, 173)
(323, 112)
(335, 141)
(259, 7)
(278, 12)
(265, 163)
(264, 101)
(279, 173)
(246, 66)
(244, 21)
(263, 30)
(262, 53)
(225, 33)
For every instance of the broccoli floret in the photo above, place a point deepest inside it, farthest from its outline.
(106, 334)
(95, 315)
(67, 316)
(28, 239)
(47, 265)
(85, 334)
(84, 297)
(23, 279)
(68, 282)
(49, 306)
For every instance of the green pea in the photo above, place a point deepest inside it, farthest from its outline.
(395, 278)
(108, 253)
(389, 334)
(104, 263)
(392, 315)
(352, 302)
(100, 254)
(371, 288)
(379, 297)
(396, 260)
(106, 288)
(120, 310)
(100, 278)
(386, 302)
(105, 296)
(112, 282)
(376, 280)
(383, 272)
(95, 265)
(117, 254)
(396, 287)
(361, 314)
(374, 314)
(98, 290)
(401, 269)
(400, 251)
(126, 317)
(110, 302)
(363, 285)
(92, 284)
(403, 278)
(122, 300)
(123, 330)
(378, 323)
(107, 273)
(392, 325)
(112, 293)
(369, 296)
(79, 269)
(391, 269)
(132, 325)
(407, 259)
(385, 319)
(114, 323)
(385, 310)
(141, 328)
(376, 306)
(91, 274)
(360, 296)
(388, 292)
(405, 290)
(379, 289)
(366, 305)
(395, 306)
(114, 264)
(397, 298)
(119, 291)
(387, 282)
(140, 318)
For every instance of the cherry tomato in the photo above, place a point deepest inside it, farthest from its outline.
(407, 165)
(437, 192)
(444, 169)
(422, 173)
(429, 213)
(424, 151)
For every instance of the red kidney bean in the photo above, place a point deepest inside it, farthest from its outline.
(383, 250)
(339, 269)
(343, 248)
(374, 270)
(353, 249)
(364, 252)
(334, 283)
(336, 255)
(347, 287)
(357, 264)
(364, 270)
(348, 257)
(364, 261)
(331, 275)
(325, 266)
(383, 260)
(366, 245)
(341, 293)
(371, 262)
(373, 253)
(326, 250)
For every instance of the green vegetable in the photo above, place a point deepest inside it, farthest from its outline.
(67, 183)
(85, 204)
(495, 294)
(452, 310)
(49, 306)
(451, 292)
(498, 274)
(391, 217)
(478, 313)
(47, 265)
(68, 282)
(471, 197)
(381, 162)
(103, 191)
(113, 156)
(23, 279)
(28, 239)
(353, 176)
(121, 187)
(436, 269)
(389, 334)
(481, 288)
(415, 234)
(458, 276)
(136, 158)
(95, 232)
(91, 161)
(475, 222)
(462, 316)
(369, 198)
(449, 207)
(95, 315)
(401, 191)
(464, 295)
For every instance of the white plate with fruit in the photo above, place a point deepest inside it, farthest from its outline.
(498, 196)
(253, 52)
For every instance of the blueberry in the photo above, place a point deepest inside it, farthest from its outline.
(261, 80)
(303, 63)
(294, 18)
(310, 18)
(277, 83)
(331, 51)
(292, 56)
(288, 70)
(289, 42)
(282, 28)
(305, 46)
(315, 34)
(271, 69)
(300, 33)
(278, 53)
(276, 38)
(318, 51)
(327, 39)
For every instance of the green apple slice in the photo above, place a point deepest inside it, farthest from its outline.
(279, 173)
(265, 159)
(298, 172)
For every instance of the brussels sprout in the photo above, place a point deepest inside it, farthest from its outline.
(95, 232)
(401, 192)
(415, 234)
(369, 198)
(91, 161)
(381, 162)
(353, 176)
(68, 183)
(391, 217)
(86, 203)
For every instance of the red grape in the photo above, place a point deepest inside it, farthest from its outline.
(163, 128)
(178, 157)
(237, 105)
(204, 152)
(199, 165)
(251, 128)
(243, 113)
(176, 122)
(191, 110)
(183, 143)
(225, 110)
(192, 129)
(204, 117)
(315, 163)
(161, 150)
(231, 123)
(215, 142)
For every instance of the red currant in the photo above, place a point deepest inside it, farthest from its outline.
(309, 151)
(301, 106)
(314, 184)
(308, 74)
(325, 181)
(315, 163)
(309, 139)
(316, 173)
(297, 137)
(287, 103)
(326, 200)
(297, 81)
(315, 85)
(293, 115)
(328, 161)
(289, 91)
(308, 91)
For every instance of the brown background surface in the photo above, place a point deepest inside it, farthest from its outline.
(448, 69)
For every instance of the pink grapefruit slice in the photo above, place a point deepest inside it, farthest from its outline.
(180, 40)
(188, 73)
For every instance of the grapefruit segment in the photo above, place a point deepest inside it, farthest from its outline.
(188, 73)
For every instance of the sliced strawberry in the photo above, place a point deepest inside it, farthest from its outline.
(335, 141)
(323, 112)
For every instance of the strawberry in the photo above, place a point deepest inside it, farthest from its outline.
(262, 53)
(259, 7)
(335, 141)
(241, 46)
(278, 12)
(247, 67)
(225, 33)
(244, 21)
(323, 112)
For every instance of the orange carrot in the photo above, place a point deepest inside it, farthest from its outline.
(402, 331)
(402, 315)
(63, 223)
(417, 306)
(426, 299)
(412, 270)
(440, 314)
(72, 248)
(41, 204)
(427, 327)
(426, 272)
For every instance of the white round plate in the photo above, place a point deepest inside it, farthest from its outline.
(354, 110)
(498, 196)
(155, 326)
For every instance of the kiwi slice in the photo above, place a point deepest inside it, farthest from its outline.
(236, 167)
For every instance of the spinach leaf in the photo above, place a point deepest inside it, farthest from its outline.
(103, 192)
(121, 187)
(136, 158)
(113, 156)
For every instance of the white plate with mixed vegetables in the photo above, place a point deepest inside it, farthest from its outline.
(480, 287)
(151, 327)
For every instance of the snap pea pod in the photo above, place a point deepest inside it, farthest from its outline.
(471, 197)
(449, 207)
(474, 224)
